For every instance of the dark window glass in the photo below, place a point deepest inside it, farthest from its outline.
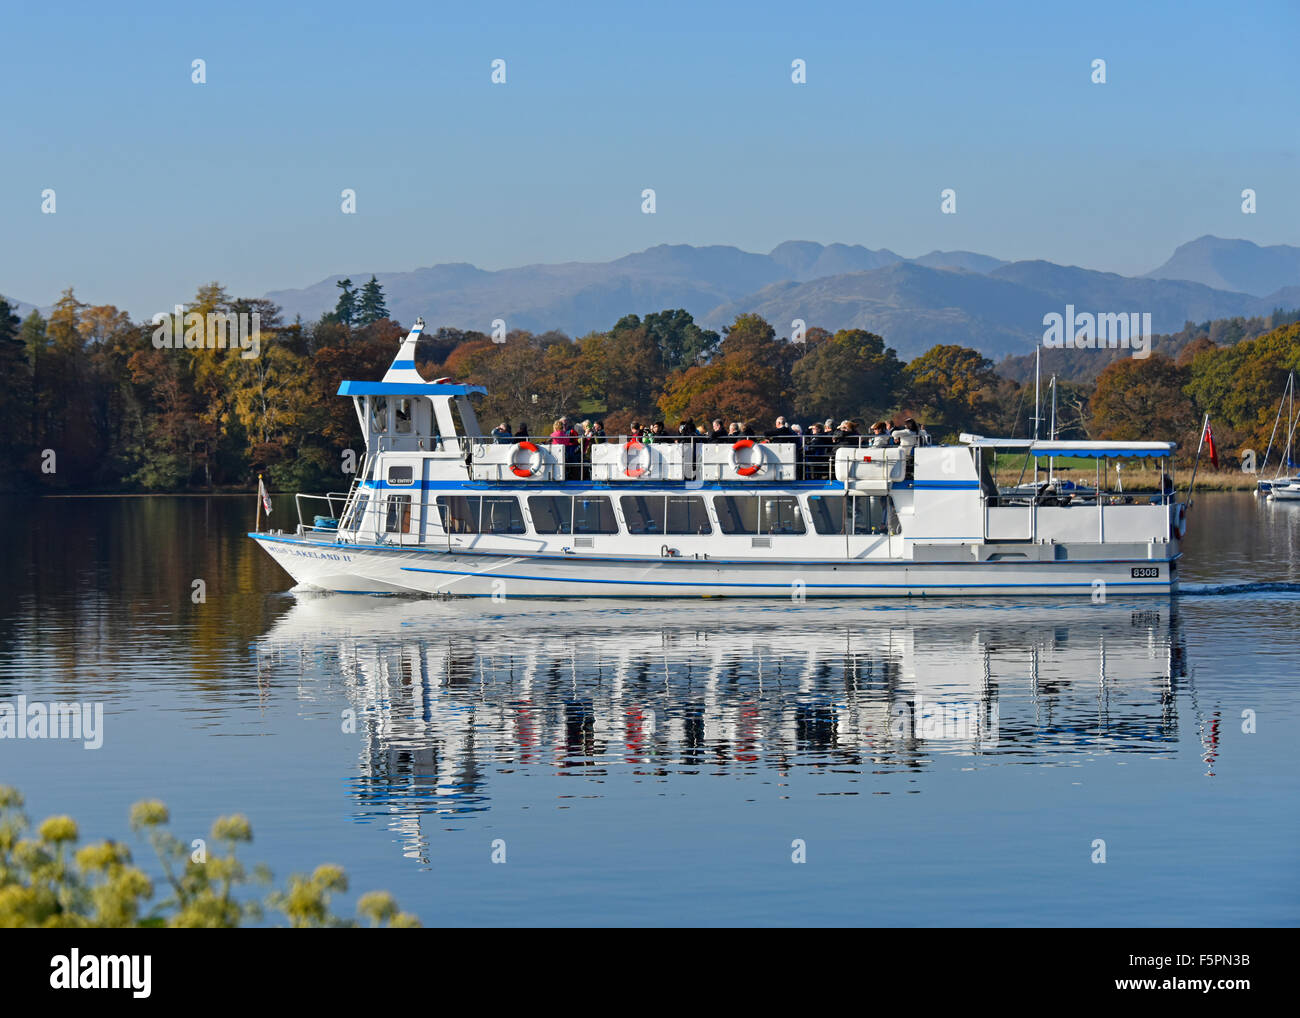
(644, 513)
(827, 512)
(593, 515)
(551, 513)
(401, 475)
(399, 514)
(779, 515)
(490, 514)
(501, 515)
(687, 515)
(868, 514)
(737, 514)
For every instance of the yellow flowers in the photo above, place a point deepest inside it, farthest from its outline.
(232, 829)
(148, 813)
(97, 886)
(57, 830)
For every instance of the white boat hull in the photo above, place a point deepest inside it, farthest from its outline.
(350, 568)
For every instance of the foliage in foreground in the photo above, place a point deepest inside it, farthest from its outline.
(46, 881)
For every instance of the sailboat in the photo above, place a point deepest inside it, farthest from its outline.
(1288, 486)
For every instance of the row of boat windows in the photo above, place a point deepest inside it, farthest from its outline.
(647, 514)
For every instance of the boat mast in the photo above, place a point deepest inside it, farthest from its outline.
(1051, 433)
(1038, 358)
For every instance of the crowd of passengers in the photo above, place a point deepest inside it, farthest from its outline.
(816, 444)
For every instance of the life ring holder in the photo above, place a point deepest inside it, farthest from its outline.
(753, 468)
(527, 471)
(630, 448)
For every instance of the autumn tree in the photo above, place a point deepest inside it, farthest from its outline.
(849, 374)
(747, 378)
(950, 389)
(1142, 400)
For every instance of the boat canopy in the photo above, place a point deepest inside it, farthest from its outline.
(421, 388)
(1096, 450)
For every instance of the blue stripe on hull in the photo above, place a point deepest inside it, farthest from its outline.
(784, 585)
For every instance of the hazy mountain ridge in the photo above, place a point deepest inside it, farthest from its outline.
(959, 297)
(1233, 265)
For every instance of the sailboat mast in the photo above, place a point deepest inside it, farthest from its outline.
(1038, 361)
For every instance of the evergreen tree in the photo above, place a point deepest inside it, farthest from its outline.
(345, 311)
(16, 393)
(371, 307)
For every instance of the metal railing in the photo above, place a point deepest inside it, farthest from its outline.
(814, 454)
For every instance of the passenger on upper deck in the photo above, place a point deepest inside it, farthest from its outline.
(879, 435)
(501, 433)
(905, 438)
(718, 433)
(922, 436)
(846, 435)
(781, 433)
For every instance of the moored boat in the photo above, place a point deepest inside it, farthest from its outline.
(437, 507)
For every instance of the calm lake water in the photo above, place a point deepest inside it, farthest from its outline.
(945, 763)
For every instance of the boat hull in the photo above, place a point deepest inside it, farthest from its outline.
(350, 568)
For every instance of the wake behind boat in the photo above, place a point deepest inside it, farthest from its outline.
(437, 507)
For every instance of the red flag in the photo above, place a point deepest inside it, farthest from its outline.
(1208, 438)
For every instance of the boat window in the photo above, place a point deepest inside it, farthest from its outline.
(593, 515)
(472, 514)
(665, 514)
(551, 513)
(577, 514)
(399, 515)
(501, 515)
(779, 516)
(379, 413)
(401, 475)
(758, 514)
(737, 514)
(402, 416)
(868, 514)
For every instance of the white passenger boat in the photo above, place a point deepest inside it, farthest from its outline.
(439, 508)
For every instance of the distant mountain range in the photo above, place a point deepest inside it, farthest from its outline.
(957, 297)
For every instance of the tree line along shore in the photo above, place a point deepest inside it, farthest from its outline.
(94, 403)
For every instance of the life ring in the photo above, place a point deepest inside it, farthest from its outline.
(528, 471)
(1180, 520)
(753, 468)
(630, 448)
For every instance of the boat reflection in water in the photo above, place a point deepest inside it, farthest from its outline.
(452, 696)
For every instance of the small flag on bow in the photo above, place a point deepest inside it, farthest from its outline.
(261, 492)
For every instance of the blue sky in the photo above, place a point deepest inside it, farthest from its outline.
(163, 184)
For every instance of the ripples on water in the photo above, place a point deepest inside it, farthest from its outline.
(638, 734)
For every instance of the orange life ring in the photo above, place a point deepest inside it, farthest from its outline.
(750, 470)
(1180, 520)
(630, 447)
(519, 471)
